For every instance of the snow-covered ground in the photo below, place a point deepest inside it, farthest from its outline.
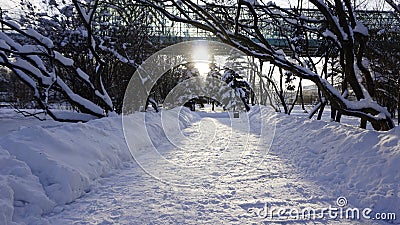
(217, 169)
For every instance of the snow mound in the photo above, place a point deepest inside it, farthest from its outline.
(362, 165)
(20, 191)
(45, 167)
(142, 131)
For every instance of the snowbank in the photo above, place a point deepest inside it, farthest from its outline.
(151, 129)
(21, 189)
(361, 165)
(45, 167)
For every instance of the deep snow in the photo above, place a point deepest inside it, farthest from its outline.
(43, 167)
(84, 174)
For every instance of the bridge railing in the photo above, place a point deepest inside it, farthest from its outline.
(373, 20)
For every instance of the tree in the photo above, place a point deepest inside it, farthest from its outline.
(213, 85)
(11, 92)
(177, 86)
(242, 26)
(384, 59)
(83, 50)
(240, 89)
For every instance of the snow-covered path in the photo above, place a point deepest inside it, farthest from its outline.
(217, 178)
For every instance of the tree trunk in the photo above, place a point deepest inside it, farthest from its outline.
(398, 102)
(281, 96)
(363, 124)
(295, 99)
(338, 117)
(301, 96)
(333, 113)
(321, 110)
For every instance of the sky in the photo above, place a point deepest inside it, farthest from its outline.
(12, 6)
(8, 4)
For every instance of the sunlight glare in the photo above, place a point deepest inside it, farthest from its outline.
(203, 68)
(200, 57)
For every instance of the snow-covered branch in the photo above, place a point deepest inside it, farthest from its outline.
(394, 5)
(39, 66)
(347, 31)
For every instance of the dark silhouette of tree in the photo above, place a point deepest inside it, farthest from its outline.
(243, 26)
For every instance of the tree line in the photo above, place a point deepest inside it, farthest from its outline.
(85, 52)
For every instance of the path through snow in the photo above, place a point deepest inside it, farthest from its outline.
(216, 179)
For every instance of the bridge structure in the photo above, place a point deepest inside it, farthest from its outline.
(168, 32)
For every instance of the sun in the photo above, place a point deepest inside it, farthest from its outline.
(202, 67)
(200, 57)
